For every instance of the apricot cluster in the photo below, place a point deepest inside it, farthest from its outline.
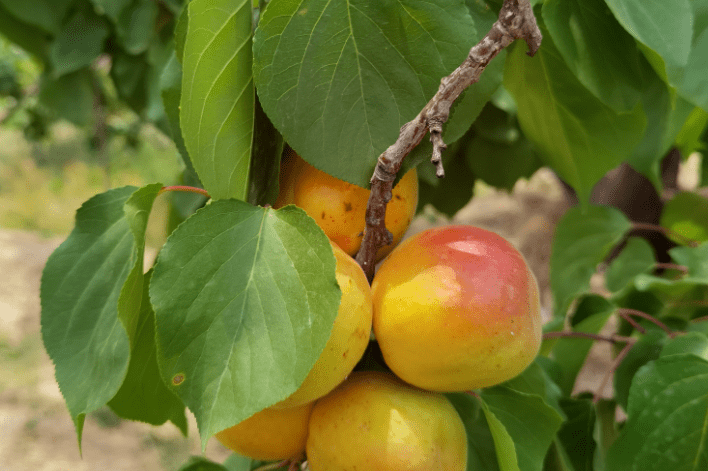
(453, 308)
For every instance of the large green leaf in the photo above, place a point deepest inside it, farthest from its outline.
(81, 285)
(583, 238)
(69, 97)
(338, 78)
(646, 349)
(30, 38)
(217, 102)
(143, 395)
(244, 299)
(45, 14)
(674, 35)
(585, 32)
(667, 417)
(480, 441)
(575, 436)
(636, 257)
(527, 420)
(580, 137)
(79, 42)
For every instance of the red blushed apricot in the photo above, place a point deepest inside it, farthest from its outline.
(339, 208)
(456, 308)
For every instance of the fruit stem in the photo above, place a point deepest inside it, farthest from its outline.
(271, 466)
(637, 326)
(191, 189)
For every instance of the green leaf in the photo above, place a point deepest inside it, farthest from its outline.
(605, 430)
(636, 257)
(523, 427)
(686, 214)
(199, 463)
(667, 416)
(577, 135)
(570, 353)
(663, 26)
(646, 349)
(244, 300)
(80, 287)
(111, 8)
(666, 114)
(695, 259)
(576, 433)
(241, 463)
(143, 395)
(31, 39)
(584, 31)
(136, 26)
(480, 441)
(79, 43)
(45, 14)
(534, 380)
(694, 343)
(338, 78)
(689, 139)
(69, 97)
(583, 238)
(217, 102)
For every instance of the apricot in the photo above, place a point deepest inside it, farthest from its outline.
(271, 434)
(349, 338)
(375, 422)
(340, 207)
(456, 308)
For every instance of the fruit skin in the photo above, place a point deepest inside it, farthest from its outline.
(349, 338)
(339, 208)
(456, 308)
(271, 434)
(375, 422)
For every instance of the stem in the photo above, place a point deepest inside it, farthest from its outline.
(615, 364)
(665, 231)
(634, 323)
(191, 189)
(672, 266)
(700, 319)
(584, 335)
(650, 318)
(516, 21)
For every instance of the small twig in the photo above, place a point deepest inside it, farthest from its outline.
(637, 326)
(191, 189)
(650, 318)
(700, 319)
(672, 266)
(585, 335)
(608, 374)
(666, 231)
(516, 21)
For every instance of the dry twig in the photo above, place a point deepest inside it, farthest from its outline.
(516, 21)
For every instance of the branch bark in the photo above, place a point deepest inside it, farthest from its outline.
(516, 21)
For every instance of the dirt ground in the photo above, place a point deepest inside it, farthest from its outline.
(36, 432)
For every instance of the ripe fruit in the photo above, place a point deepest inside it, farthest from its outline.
(349, 337)
(340, 207)
(375, 422)
(271, 434)
(456, 308)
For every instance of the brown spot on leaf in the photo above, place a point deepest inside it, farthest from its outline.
(178, 379)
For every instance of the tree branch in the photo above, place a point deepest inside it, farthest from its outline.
(516, 21)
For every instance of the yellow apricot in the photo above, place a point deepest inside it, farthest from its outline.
(375, 422)
(271, 434)
(456, 308)
(349, 337)
(339, 208)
